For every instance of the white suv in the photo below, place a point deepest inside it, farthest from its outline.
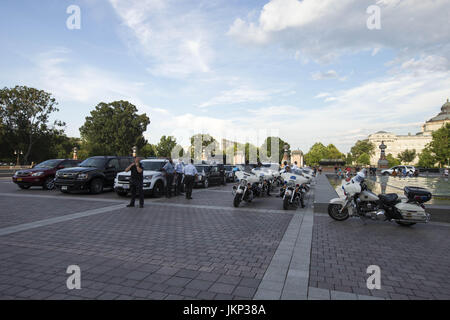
(409, 170)
(154, 178)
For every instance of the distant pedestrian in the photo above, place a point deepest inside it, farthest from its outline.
(136, 182)
(446, 172)
(169, 170)
(320, 170)
(190, 174)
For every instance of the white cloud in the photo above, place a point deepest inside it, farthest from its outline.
(326, 29)
(319, 75)
(174, 40)
(241, 94)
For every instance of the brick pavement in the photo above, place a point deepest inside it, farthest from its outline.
(159, 252)
(414, 262)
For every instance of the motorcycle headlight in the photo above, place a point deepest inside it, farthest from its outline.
(82, 176)
(243, 182)
(37, 174)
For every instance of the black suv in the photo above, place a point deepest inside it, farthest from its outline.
(210, 174)
(93, 174)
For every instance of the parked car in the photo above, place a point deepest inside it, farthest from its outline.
(92, 175)
(154, 178)
(209, 174)
(409, 170)
(42, 174)
(229, 173)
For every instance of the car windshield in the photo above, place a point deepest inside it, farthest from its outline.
(200, 168)
(48, 164)
(153, 165)
(94, 163)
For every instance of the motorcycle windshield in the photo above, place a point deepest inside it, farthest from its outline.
(358, 179)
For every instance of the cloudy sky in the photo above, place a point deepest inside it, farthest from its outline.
(306, 70)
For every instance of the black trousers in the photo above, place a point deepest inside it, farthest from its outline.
(137, 187)
(169, 180)
(189, 184)
(179, 184)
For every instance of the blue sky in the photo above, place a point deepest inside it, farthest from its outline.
(306, 70)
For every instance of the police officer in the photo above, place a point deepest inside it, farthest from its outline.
(190, 174)
(136, 182)
(169, 170)
(179, 176)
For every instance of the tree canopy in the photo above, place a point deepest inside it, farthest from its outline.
(362, 146)
(114, 128)
(25, 120)
(165, 146)
(440, 145)
(319, 152)
(407, 156)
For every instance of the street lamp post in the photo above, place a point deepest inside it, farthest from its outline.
(75, 155)
(18, 153)
(134, 151)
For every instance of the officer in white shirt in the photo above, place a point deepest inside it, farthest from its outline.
(295, 165)
(190, 174)
(178, 176)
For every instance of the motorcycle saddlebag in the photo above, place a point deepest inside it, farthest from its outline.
(417, 194)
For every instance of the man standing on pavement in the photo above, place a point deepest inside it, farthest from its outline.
(136, 182)
(169, 170)
(190, 174)
(179, 174)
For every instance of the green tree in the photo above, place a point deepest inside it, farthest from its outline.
(427, 159)
(407, 156)
(334, 153)
(267, 147)
(149, 150)
(349, 159)
(363, 159)
(165, 146)
(392, 162)
(317, 152)
(25, 118)
(114, 128)
(440, 145)
(362, 146)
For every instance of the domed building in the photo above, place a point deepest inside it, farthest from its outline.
(399, 143)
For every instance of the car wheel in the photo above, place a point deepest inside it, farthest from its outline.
(24, 186)
(49, 183)
(158, 189)
(96, 186)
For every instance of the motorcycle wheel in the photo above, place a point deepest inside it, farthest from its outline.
(333, 212)
(405, 224)
(237, 200)
(286, 203)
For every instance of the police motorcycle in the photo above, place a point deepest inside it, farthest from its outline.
(247, 188)
(293, 190)
(361, 202)
(266, 178)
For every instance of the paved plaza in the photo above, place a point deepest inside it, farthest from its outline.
(206, 249)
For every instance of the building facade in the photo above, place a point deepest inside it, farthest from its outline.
(399, 143)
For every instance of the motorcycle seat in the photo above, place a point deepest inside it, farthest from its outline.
(389, 198)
